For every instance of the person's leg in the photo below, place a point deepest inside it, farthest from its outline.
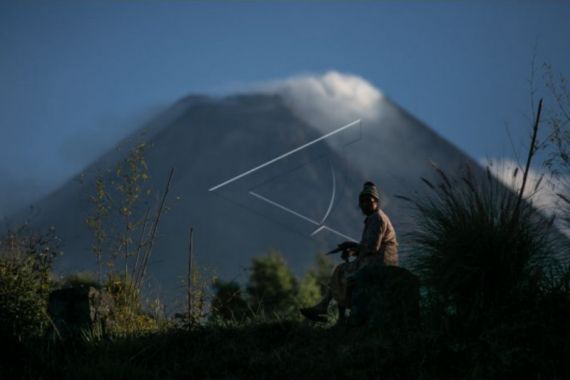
(323, 305)
(337, 290)
(318, 311)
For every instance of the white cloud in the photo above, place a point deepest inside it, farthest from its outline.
(330, 100)
(542, 194)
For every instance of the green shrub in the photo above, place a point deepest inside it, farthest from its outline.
(24, 288)
(23, 296)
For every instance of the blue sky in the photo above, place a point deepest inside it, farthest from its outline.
(77, 75)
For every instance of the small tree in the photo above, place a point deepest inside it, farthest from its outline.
(121, 214)
(315, 282)
(271, 288)
(123, 225)
(228, 303)
(309, 291)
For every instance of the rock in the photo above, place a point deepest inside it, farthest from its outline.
(79, 308)
(386, 297)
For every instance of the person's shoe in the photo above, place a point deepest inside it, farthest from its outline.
(314, 314)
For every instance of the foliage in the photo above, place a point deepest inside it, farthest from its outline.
(321, 271)
(491, 297)
(557, 142)
(309, 291)
(120, 217)
(272, 291)
(25, 281)
(315, 282)
(271, 287)
(228, 303)
(276, 350)
(23, 295)
(128, 315)
(197, 297)
(124, 230)
(471, 247)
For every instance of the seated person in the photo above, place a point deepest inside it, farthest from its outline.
(378, 244)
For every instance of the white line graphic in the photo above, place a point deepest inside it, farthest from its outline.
(272, 161)
(334, 232)
(284, 208)
(320, 225)
(332, 195)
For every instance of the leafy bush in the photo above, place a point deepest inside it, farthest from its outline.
(25, 282)
(23, 296)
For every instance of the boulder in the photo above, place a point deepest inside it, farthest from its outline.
(386, 297)
(79, 308)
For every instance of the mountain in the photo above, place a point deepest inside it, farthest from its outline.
(251, 175)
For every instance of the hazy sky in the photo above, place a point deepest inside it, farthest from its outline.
(77, 75)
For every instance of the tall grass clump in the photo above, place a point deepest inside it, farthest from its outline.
(474, 246)
(483, 257)
(129, 316)
(478, 242)
(495, 296)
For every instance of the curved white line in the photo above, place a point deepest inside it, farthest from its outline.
(333, 195)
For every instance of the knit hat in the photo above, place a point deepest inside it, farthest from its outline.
(370, 189)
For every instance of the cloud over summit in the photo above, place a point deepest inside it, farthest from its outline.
(330, 100)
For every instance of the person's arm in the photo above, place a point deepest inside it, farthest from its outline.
(372, 237)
